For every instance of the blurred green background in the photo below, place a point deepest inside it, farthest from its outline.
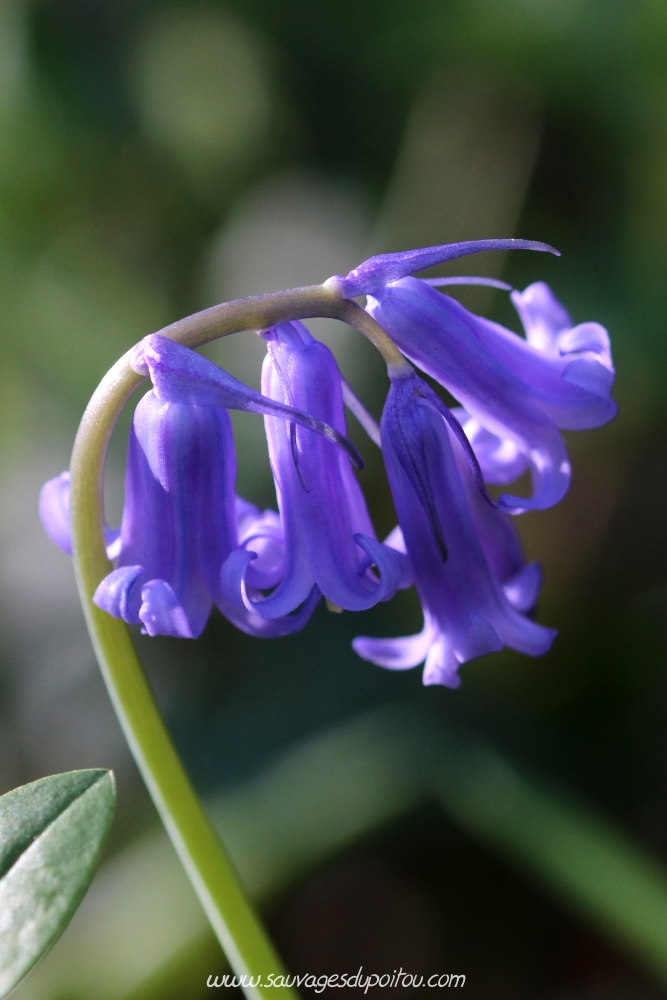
(158, 157)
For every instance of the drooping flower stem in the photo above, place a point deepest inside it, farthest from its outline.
(240, 933)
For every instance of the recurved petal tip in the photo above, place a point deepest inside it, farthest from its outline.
(54, 511)
(162, 613)
(115, 594)
(54, 515)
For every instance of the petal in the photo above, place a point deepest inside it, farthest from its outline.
(245, 513)
(54, 511)
(392, 566)
(480, 638)
(334, 519)
(550, 473)
(542, 315)
(586, 337)
(401, 653)
(263, 628)
(406, 426)
(409, 397)
(576, 402)
(537, 370)
(596, 379)
(500, 459)
(456, 429)
(118, 596)
(292, 591)
(523, 589)
(261, 532)
(544, 356)
(232, 577)
(441, 665)
(496, 533)
(270, 566)
(375, 272)
(54, 515)
(161, 613)
(395, 540)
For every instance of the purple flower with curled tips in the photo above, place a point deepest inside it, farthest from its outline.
(569, 366)
(329, 538)
(187, 542)
(469, 570)
(181, 518)
(439, 336)
(520, 391)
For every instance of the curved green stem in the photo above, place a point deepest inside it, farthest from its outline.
(242, 937)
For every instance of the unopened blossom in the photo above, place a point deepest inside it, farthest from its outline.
(377, 272)
(329, 538)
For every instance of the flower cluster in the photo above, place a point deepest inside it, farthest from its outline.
(187, 541)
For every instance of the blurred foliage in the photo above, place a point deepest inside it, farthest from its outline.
(142, 145)
(353, 789)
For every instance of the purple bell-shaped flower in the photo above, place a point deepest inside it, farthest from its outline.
(469, 570)
(181, 519)
(521, 391)
(329, 538)
(187, 542)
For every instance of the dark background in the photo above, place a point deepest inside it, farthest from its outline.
(158, 157)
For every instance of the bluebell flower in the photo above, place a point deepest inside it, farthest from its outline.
(181, 518)
(54, 515)
(329, 538)
(469, 570)
(187, 541)
(521, 391)
(500, 459)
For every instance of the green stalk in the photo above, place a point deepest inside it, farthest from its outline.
(241, 935)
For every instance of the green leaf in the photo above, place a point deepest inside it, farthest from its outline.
(51, 834)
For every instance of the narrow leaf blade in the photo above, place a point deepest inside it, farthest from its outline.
(51, 835)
